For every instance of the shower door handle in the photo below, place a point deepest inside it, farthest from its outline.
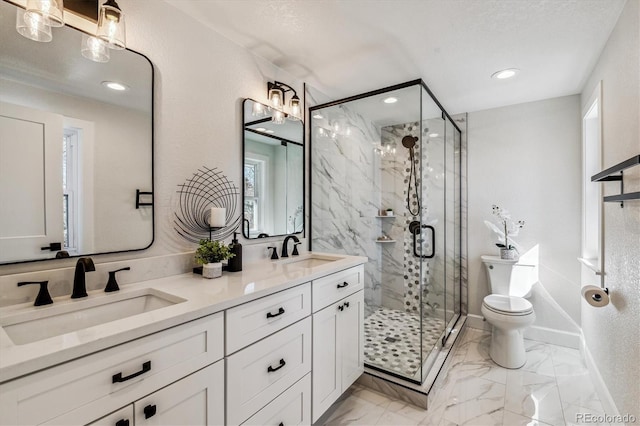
(433, 243)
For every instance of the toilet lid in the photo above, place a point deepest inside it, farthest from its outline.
(507, 304)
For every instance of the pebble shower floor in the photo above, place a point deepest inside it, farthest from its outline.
(392, 340)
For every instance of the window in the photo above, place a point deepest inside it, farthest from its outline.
(254, 195)
(70, 188)
(591, 196)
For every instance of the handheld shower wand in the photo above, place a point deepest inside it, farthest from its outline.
(409, 142)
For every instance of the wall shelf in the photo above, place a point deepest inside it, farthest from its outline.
(611, 174)
(379, 216)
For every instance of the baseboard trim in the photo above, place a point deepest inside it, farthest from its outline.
(478, 322)
(552, 336)
(608, 404)
(539, 334)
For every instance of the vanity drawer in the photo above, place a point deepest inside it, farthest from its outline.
(92, 382)
(291, 408)
(328, 290)
(252, 321)
(259, 373)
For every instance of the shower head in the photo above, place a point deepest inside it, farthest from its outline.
(409, 141)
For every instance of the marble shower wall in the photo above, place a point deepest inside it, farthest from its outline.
(346, 192)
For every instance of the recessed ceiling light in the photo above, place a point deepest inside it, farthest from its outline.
(434, 135)
(318, 116)
(503, 74)
(115, 86)
(260, 129)
(390, 100)
(268, 131)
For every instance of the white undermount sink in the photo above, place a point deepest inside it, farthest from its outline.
(32, 325)
(308, 261)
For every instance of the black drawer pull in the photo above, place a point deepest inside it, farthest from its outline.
(280, 312)
(149, 411)
(122, 422)
(117, 378)
(341, 307)
(271, 369)
(343, 285)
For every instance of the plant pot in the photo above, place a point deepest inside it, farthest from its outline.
(212, 270)
(508, 254)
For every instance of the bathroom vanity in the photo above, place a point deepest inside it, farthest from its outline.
(275, 344)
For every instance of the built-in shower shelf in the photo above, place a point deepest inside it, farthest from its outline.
(385, 216)
(385, 241)
(615, 173)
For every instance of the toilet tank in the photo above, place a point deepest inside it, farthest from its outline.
(501, 279)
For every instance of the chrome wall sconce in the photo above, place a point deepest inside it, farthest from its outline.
(40, 16)
(276, 93)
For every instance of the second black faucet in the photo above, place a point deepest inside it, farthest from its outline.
(285, 250)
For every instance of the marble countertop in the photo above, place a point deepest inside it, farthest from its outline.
(201, 296)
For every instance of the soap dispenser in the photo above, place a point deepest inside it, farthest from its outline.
(235, 263)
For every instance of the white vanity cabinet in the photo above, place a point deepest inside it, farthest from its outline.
(280, 359)
(338, 338)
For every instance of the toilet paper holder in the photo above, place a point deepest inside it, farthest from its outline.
(596, 296)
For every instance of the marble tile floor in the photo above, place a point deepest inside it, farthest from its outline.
(392, 340)
(550, 389)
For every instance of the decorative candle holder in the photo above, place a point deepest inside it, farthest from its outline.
(201, 199)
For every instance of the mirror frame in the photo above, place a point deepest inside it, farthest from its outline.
(152, 204)
(304, 174)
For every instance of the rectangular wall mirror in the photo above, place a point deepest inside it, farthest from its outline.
(74, 154)
(273, 190)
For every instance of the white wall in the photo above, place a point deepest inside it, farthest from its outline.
(201, 79)
(526, 158)
(611, 333)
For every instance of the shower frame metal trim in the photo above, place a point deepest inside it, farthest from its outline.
(419, 81)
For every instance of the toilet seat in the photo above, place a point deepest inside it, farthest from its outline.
(507, 305)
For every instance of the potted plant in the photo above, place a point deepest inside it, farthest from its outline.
(210, 255)
(508, 228)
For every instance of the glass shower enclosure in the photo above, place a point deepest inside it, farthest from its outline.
(385, 183)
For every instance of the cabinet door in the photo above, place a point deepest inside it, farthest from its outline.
(122, 417)
(196, 400)
(351, 338)
(326, 369)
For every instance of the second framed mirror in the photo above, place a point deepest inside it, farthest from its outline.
(273, 176)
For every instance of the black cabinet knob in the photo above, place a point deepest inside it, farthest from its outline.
(122, 422)
(149, 411)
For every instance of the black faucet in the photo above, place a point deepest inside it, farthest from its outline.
(285, 251)
(84, 264)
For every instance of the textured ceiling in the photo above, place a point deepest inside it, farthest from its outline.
(347, 47)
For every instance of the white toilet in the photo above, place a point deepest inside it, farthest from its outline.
(507, 311)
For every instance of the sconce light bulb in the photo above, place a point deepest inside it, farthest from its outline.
(51, 10)
(111, 26)
(275, 98)
(258, 109)
(94, 49)
(295, 108)
(278, 117)
(33, 26)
